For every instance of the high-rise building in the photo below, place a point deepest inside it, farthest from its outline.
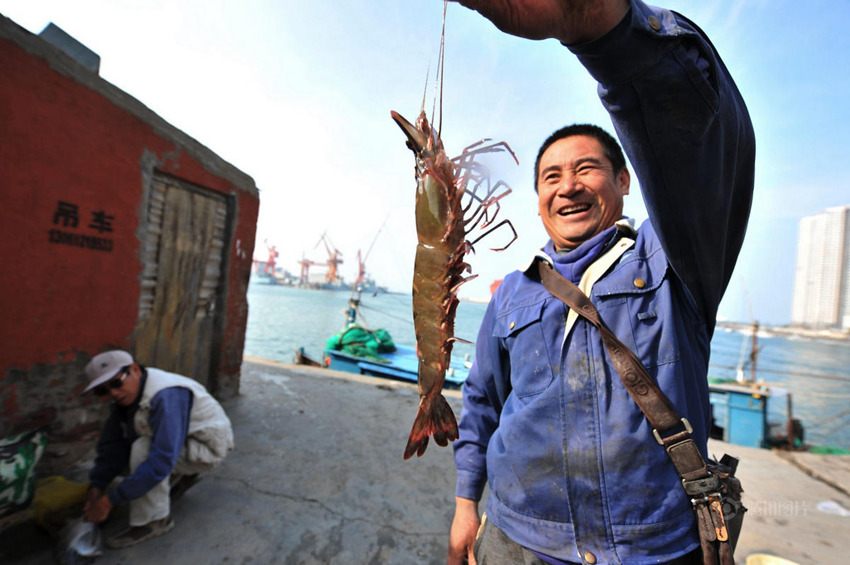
(822, 277)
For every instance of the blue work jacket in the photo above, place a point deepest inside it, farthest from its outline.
(572, 466)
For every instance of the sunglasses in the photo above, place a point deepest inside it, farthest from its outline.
(103, 390)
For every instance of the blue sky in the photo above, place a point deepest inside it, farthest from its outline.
(297, 93)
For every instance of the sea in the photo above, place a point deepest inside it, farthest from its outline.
(815, 372)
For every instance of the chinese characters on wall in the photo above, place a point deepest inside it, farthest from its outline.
(76, 232)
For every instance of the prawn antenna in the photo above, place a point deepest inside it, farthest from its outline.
(425, 90)
(441, 66)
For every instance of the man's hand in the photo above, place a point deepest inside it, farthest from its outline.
(97, 506)
(91, 496)
(464, 528)
(569, 21)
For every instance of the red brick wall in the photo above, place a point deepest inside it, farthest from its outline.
(73, 152)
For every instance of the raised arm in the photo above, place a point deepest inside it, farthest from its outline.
(678, 114)
(567, 21)
(686, 131)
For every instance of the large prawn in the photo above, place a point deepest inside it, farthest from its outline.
(443, 222)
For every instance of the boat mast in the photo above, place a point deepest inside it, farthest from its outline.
(754, 352)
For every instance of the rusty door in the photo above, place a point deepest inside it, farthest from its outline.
(183, 257)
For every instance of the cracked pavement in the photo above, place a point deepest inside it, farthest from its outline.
(317, 477)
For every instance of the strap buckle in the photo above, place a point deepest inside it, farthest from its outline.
(704, 486)
(710, 513)
(685, 423)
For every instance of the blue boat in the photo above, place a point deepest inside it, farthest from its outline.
(744, 412)
(751, 413)
(401, 364)
(372, 352)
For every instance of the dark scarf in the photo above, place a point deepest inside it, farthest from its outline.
(572, 263)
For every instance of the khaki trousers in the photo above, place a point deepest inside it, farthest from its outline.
(156, 503)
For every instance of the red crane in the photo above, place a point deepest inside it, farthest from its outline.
(361, 270)
(361, 263)
(305, 270)
(334, 259)
(271, 262)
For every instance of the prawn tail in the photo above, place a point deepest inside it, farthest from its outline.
(434, 418)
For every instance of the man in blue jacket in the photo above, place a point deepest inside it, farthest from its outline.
(574, 473)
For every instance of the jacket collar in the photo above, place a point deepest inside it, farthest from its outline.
(624, 227)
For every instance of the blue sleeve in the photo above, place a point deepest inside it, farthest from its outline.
(169, 420)
(113, 450)
(484, 391)
(687, 133)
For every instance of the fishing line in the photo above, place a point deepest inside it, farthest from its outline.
(838, 378)
(837, 422)
(829, 395)
(383, 313)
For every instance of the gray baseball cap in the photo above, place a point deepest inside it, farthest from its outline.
(105, 366)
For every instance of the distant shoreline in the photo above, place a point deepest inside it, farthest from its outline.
(765, 330)
(474, 300)
(788, 331)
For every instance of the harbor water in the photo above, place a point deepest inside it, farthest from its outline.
(815, 372)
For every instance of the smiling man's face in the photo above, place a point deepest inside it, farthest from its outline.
(579, 194)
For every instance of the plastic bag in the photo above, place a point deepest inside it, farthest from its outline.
(79, 542)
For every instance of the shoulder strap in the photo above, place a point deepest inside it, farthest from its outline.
(659, 411)
(657, 407)
(595, 271)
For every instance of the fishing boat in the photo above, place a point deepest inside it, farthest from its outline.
(753, 413)
(361, 350)
(745, 411)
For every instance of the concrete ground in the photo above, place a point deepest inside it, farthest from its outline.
(317, 476)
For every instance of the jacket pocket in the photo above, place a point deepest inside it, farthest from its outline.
(642, 319)
(521, 331)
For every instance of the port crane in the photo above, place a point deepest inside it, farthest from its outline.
(361, 263)
(334, 260)
(305, 263)
(271, 262)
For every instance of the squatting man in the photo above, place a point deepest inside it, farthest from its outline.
(164, 428)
